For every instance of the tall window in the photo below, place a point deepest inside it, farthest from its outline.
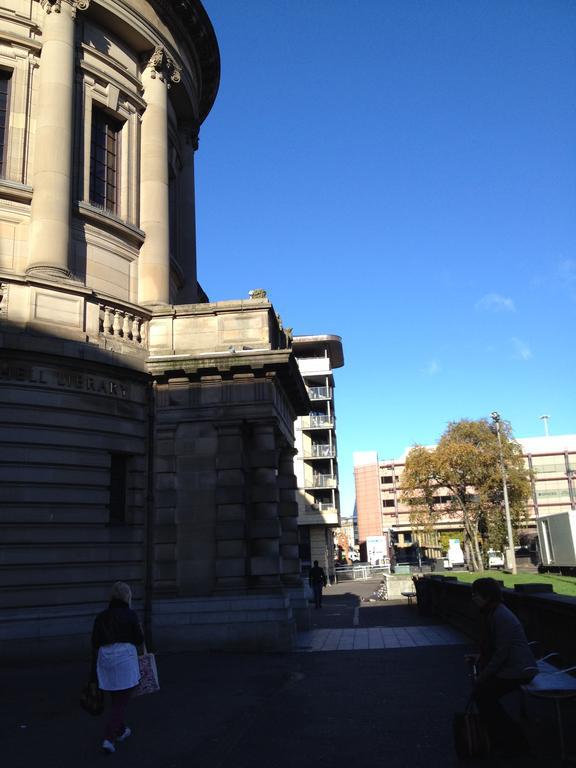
(104, 157)
(118, 482)
(4, 91)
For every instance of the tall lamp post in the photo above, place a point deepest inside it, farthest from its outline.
(510, 556)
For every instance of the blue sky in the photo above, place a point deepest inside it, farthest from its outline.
(403, 173)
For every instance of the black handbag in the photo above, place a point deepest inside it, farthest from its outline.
(470, 737)
(92, 699)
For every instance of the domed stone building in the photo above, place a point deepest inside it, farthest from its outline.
(146, 434)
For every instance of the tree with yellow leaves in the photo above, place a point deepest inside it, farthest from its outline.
(461, 478)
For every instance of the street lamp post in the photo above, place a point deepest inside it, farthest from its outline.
(510, 556)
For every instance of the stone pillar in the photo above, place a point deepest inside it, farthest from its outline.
(231, 545)
(154, 259)
(189, 294)
(50, 211)
(288, 514)
(264, 525)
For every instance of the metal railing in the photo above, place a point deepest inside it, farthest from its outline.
(324, 481)
(319, 393)
(320, 452)
(319, 509)
(363, 572)
(320, 420)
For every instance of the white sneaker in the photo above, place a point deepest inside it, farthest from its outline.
(125, 734)
(107, 746)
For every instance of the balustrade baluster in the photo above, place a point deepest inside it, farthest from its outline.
(126, 332)
(117, 325)
(107, 321)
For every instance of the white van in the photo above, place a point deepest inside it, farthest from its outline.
(495, 559)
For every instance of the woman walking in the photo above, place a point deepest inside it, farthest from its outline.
(116, 638)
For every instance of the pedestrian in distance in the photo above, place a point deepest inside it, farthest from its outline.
(317, 580)
(116, 640)
(505, 663)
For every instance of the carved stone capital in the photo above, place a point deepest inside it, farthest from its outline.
(164, 68)
(56, 5)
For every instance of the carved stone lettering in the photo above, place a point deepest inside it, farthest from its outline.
(26, 374)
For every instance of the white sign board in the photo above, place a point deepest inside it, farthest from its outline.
(376, 549)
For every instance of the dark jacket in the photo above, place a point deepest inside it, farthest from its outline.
(505, 652)
(117, 624)
(316, 576)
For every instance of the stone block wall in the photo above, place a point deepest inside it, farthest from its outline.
(62, 425)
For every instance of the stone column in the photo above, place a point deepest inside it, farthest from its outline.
(189, 294)
(288, 514)
(50, 211)
(264, 525)
(154, 259)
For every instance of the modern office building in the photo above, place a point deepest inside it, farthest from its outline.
(146, 435)
(316, 461)
(380, 507)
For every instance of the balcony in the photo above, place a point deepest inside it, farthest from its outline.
(321, 481)
(320, 452)
(325, 506)
(319, 393)
(319, 514)
(317, 421)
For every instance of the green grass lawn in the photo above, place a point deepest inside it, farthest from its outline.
(562, 585)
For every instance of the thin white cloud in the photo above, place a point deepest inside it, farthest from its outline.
(495, 302)
(431, 368)
(521, 349)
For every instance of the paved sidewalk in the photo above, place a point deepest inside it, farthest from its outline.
(377, 638)
(391, 707)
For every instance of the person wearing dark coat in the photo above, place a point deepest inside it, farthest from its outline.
(317, 580)
(116, 637)
(505, 663)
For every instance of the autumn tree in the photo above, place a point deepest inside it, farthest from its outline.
(462, 479)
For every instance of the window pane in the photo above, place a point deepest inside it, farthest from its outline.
(104, 160)
(4, 83)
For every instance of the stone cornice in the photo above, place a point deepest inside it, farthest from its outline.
(13, 190)
(266, 365)
(110, 222)
(73, 288)
(212, 308)
(196, 23)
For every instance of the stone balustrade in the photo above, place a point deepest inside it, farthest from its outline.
(121, 324)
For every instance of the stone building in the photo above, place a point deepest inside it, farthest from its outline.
(146, 435)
